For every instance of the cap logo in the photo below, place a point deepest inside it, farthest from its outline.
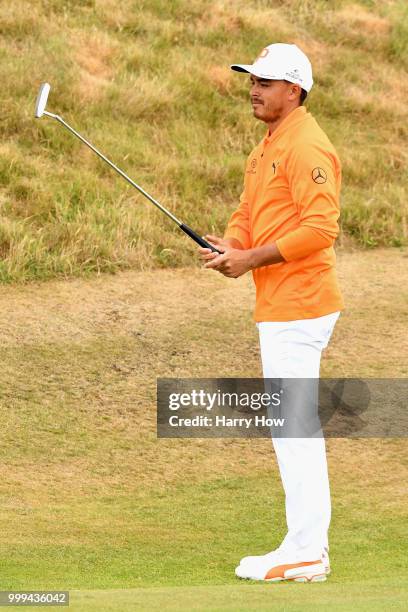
(294, 74)
(262, 54)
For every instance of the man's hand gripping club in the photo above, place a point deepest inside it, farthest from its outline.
(235, 261)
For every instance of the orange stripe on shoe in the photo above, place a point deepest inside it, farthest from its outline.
(279, 570)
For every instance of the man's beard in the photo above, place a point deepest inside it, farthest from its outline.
(268, 117)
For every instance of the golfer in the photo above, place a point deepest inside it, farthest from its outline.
(284, 231)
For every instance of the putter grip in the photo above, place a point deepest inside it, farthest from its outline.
(198, 239)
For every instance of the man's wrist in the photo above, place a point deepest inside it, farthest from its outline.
(252, 259)
(264, 256)
(234, 243)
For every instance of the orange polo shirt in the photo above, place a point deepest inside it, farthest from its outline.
(291, 197)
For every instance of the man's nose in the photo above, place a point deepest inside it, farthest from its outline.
(254, 89)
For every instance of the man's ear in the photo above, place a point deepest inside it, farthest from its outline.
(294, 91)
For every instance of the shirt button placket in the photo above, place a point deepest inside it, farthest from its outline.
(262, 161)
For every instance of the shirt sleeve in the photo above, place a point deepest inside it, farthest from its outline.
(314, 176)
(239, 226)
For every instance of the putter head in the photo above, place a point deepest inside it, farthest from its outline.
(42, 99)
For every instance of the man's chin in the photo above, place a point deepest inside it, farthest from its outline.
(257, 113)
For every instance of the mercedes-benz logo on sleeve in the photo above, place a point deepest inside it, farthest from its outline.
(319, 175)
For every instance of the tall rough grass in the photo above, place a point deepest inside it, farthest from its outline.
(149, 83)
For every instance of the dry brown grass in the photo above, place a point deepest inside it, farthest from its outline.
(17, 18)
(114, 14)
(266, 17)
(149, 83)
(220, 77)
(131, 302)
(221, 16)
(94, 53)
(164, 329)
(319, 52)
(363, 20)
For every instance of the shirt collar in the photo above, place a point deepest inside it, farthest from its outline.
(295, 116)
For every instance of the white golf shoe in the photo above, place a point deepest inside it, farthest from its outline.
(326, 560)
(275, 566)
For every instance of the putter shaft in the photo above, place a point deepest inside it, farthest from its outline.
(112, 165)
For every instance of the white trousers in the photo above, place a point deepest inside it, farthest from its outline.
(292, 349)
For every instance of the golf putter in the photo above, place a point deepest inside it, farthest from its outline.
(40, 111)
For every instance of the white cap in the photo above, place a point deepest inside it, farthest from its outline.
(281, 62)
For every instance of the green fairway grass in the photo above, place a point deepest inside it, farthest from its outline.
(192, 535)
(369, 596)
